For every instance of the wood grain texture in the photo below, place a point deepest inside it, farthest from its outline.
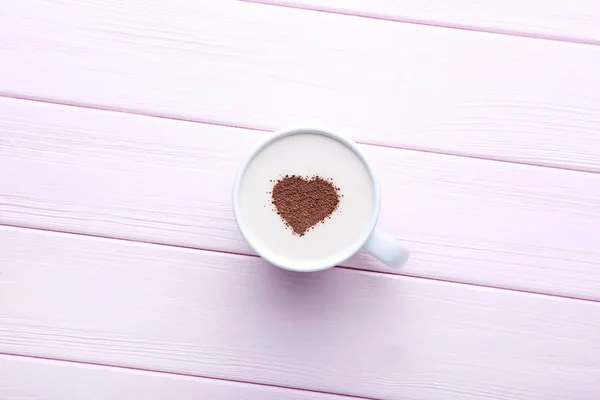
(234, 63)
(235, 317)
(158, 180)
(575, 21)
(23, 378)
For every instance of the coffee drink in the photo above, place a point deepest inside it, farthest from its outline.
(306, 199)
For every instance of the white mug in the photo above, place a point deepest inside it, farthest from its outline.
(381, 245)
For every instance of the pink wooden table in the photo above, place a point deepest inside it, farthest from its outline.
(122, 272)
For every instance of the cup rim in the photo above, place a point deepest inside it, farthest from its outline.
(280, 134)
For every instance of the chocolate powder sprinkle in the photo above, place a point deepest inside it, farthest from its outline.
(302, 203)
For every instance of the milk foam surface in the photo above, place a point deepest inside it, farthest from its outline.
(306, 154)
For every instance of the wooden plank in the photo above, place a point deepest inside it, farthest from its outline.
(574, 21)
(343, 331)
(405, 85)
(23, 378)
(165, 181)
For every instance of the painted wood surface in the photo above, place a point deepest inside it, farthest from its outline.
(258, 66)
(346, 331)
(23, 378)
(165, 181)
(202, 311)
(575, 21)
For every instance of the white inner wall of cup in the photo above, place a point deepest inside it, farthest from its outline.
(263, 228)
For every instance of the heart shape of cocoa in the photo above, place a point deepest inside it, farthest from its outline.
(303, 203)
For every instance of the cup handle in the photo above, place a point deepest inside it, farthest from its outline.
(387, 249)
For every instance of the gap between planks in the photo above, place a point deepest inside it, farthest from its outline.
(259, 129)
(407, 20)
(384, 272)
(65, 363)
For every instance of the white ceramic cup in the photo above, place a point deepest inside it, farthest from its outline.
(381, 245)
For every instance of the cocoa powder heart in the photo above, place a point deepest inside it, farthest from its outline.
(302, 203)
